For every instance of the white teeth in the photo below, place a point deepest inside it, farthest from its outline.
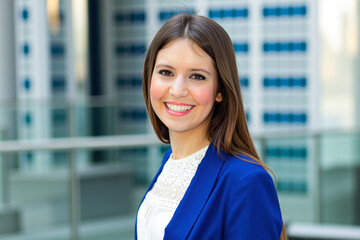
(178, 108)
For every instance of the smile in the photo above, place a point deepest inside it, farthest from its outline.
(179, 108)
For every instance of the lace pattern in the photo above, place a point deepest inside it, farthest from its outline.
(174, 180)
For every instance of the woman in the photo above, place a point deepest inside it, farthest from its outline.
(211, 184)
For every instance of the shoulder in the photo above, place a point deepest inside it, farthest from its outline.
(250, 185)
(251, 198)
(235, 169)
(241, 177)
(242, 168)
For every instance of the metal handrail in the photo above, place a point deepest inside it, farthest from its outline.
(138, 140)
(323, 231)
(296, 133)
(103, 142)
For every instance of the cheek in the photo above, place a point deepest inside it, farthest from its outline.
(156, 90)
(204, 95)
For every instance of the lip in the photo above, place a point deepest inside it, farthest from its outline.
(178, 114)
(179, 104)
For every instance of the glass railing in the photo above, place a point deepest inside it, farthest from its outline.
(75, 198)
(318, 174)
(79, 170)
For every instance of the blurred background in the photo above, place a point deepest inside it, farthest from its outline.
(77, 151)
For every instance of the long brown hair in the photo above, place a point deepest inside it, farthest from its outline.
(228, 129)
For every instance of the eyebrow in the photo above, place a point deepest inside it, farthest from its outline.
(193, 69)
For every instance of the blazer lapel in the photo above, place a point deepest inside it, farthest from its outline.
(196, 196)
(166, 157)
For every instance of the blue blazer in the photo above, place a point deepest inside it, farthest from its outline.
(226, 199)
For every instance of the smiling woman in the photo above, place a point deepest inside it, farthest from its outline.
(211, 184)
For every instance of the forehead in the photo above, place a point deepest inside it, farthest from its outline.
(185, 50)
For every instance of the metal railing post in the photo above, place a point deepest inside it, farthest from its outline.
(4, 176)
(4, 181)
(317, 176)
(74, 196)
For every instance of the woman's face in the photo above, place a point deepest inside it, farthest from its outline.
(183, 87)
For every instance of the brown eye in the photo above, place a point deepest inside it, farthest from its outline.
(165, 73)
(198, 77)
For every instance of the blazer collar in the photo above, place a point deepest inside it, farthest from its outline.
(196, 196)
(166, 157)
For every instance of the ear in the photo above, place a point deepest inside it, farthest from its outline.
(218, 97)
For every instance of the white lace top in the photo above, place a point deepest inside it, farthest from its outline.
(162, 200)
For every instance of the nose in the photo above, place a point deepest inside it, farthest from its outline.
(178, 88)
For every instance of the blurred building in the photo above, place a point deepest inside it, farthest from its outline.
(44, 73)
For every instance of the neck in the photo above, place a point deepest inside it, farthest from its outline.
(184, 144)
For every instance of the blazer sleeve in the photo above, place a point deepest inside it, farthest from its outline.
(254, 211)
